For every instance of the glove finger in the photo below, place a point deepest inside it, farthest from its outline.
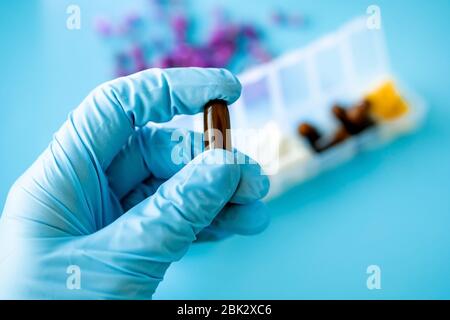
(237, 219)
(162, 227)
(212, 235)
(104, 121)
(253, 186)
(154, 153)
(144, 190)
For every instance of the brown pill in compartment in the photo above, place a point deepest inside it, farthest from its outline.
(315, 140)
(342, 115)
(353, 121)
(311, 134)
(360, 116)
(216, 124)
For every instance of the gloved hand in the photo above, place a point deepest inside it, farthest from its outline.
(104, 211)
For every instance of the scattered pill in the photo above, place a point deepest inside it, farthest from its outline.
(163, 35)
(284, 18)
(103, 27)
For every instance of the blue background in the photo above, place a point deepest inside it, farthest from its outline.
(388, 207)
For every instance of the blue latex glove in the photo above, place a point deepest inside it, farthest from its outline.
(105, 210)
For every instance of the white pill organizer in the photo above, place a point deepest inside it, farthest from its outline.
(303, 85)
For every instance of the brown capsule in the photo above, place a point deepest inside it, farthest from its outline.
(360, 116)
(311, 134)
(340, 136)
(216, 125)
(342, 115)
(355, 119)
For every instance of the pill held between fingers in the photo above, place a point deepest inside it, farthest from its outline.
(216, 124)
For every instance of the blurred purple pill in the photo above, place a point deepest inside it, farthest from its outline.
(250, 32)
(296, 20)
(138, 56)
(180, 26)
(277, 17)
(103, 26)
